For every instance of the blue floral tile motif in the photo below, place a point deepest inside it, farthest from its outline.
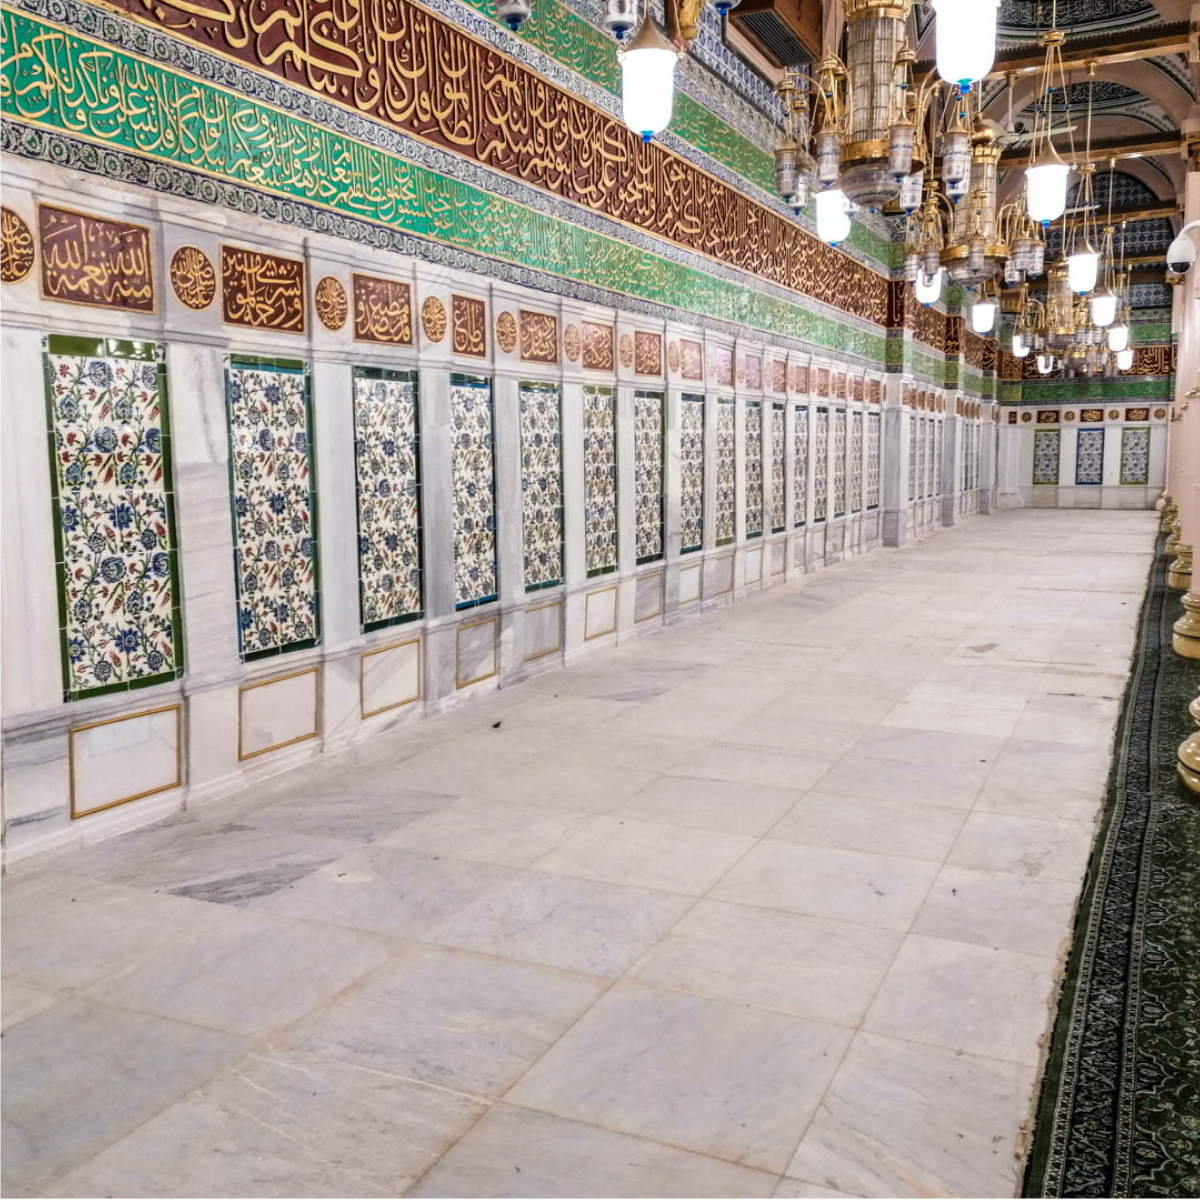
(839, 461)
(541, 484)
(754, 469)
(1135, 456)
(821, 465)
(599, 479)
(114, 511)
(874, 441)
(726, 471)
(1089, 456)
(778, 468)
(914, 438)
(856, 460)
(800, 437)
(648, 489)
(387, 473)
(931, 425)
(474, 473)
(1045, 456)
(691, 455)
(274, 505)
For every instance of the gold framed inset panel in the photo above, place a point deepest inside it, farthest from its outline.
(494, 622)
(722, 561)
(177, 709)
(659, 579)
(243, 753)
(587, 612)
(558, 644)
(689, 584)
(362, 672)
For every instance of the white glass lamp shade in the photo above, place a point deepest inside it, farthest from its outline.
(1104, 308)
(1118, 337)
(966, 39)
(833, 217)
(648, 81)
(911, 189)
(829, 156)
(1124, 359)
(1020, 346)
(928, 287)
(1046, 190)
(1082, 269)
(956, 156)
(983, 316)
(1045, 364)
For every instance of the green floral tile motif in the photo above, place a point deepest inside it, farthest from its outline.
(648, 485)
(821, 465)
(114, 512)
(754, 469)
(541, 484)
(388, 483)
(1135, 455)
(474, 469)
(274, 505)
(839, 462)
(691, 454)
(600, 479)
(874, 430)
(800, 436)
(778, 468)
(726, 472)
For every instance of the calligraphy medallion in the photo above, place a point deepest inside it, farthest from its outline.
(1027, 416)
(193, 278)
(1160, 414)
(647, 353)
(1113, 415)
(433, 319)
(382, 310)
(331, 304)
(597, 347)
(1068, 416)
(673, 360)
(572, 343)
(539, 337)
(16, 247)
(626, 348)
(470, 326)
(506, 332)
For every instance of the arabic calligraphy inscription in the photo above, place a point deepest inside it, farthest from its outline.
(539, 337)
(193, 278)
(16, 247)
(382, 310)
(262, 291)
(470, 326)
(91, 260)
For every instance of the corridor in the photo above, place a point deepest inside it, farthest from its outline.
(772, 902)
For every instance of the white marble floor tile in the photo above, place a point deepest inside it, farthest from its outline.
(765, 765)
(516, 1152)
(788, 1187)
(670, 858)
(450, 1018)
(901, 1119)
(710, 804)
(848, 822)
(974, 999)
(803, 966)
(357, 811)
(734, 1082)
(1074, 720)
(1047, 781)
(994, 908)
(823, 739)
(283, 1124)
(560, 784)
(1024, 846)
(23, 1000)
(80, 1075)
(842, 885)
(576, 924)
(952, 716)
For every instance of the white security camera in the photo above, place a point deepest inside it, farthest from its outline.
(1181, 255)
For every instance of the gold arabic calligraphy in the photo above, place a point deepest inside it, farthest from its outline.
(91, 260)
(382, 311)
(262, 290)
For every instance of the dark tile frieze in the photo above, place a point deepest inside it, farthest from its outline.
(400, 64)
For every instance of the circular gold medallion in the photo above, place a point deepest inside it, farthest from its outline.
(1027, 416)
(433, 319)
(626, 350)
(506, 332)
(1113, 415)
(332, 307)
(1160, 413)
(673, 359)
(572, 343)
(193, 278)
(16, 247)
(1068, 416)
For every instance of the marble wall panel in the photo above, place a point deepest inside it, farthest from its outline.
(600, 612)
(389, 677)
(689, 584)
(648, 597)
(476, 652)
(543, 630)
(127, 758)
(278, 712)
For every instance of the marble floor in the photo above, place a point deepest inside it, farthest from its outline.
(769, 903)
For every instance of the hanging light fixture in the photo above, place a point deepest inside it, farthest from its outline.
(1118, 337)
(833, 216)
(1020, 347)
(795, 171)
(966, 39)
(928, 287)
(648, 80)
(1124, 359)
(1046, 179)
(1045, 364)
(513, 13)
(983, 314)
(976, 250)
(620, 18)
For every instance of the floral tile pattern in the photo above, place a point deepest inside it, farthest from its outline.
(914, 439)
(754, 469)
(1135, 455)
(726, 471)
(800, 436)
(274, 504)
(1089, 456)
(114, 507)
(1045, 455)
(648, 474)
(541, 483)
(691, 455)
(856, 460)
(930, 456)
(839, 462)
(474, 491)
(821, 465)
(600, 478)
(778, 466)
(387, 471)
(874, 473)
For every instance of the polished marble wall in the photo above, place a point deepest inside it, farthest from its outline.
(368, 521)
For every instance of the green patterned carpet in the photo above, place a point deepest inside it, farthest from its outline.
(1119, 1113)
